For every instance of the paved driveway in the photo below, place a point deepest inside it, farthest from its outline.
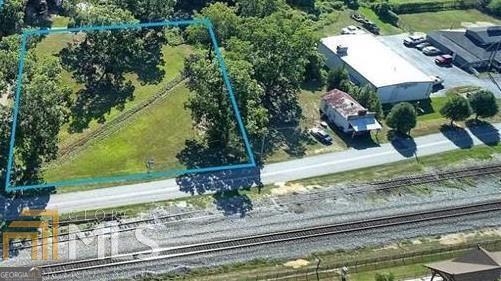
(453, 76)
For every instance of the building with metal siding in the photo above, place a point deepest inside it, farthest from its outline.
(370, 62)
(473, 49)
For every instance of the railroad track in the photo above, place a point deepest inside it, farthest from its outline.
(437, 177)
(272, 238)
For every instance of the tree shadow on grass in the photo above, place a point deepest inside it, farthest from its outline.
(97, 100)
(404, 144)
(233, 203)
(484, 131)
(459, 136)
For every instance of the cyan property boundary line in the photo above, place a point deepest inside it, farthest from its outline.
(131, 177)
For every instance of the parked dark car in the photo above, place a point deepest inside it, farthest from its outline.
(372, 27)
(423, 45)
(321, 136)
(444, 60)
(359, 18)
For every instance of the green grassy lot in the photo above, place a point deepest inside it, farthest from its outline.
(159, 133)
(425, 22)
(386, 28)
(333, 23)
(121, 153)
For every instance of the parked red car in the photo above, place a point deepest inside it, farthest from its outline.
(444, 60)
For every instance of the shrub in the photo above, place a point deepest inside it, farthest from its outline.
(483, 104)
(456, 109)
(402, 118)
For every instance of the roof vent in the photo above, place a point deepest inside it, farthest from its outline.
(362, 112)
(342, 50)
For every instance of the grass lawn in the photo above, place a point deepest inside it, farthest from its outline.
(425, 22)
(158, 133)
(336, 21)
(386, 28)
(309, 99)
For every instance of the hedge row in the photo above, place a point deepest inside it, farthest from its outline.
(432, 6)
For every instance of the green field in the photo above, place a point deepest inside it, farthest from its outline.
(425, 22)
(157, 133)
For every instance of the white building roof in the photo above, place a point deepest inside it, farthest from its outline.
(373, 60)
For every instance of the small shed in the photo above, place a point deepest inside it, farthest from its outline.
(347, 114)
(476, 265)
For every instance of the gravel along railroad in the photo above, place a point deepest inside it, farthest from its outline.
(300, 219)
(272, 238)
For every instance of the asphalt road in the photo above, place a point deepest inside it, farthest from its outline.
(276, 173)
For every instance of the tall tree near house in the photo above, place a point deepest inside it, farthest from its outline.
(483, 104)
(281, 47)
(457, 108)
(210, 104)
(336, 77)
(368, 98)
(402, 118)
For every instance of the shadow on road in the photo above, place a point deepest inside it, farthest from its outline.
(12, 205)
(404, 144)
(484, 131)
(226, 186)
(459, 136)
(221, 181)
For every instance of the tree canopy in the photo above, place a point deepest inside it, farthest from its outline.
(42, 112)
(100, 59)
(457, 108)
(483, 104)
(402, 118)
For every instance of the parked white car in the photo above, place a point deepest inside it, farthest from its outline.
(352, 30)
(431, 51)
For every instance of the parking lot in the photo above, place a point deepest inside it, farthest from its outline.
(453, 76)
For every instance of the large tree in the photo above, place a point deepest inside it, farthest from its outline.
(259, 8)
(43, 109)
(224, 19)
(402, 118)
(100, 59)
(280, 48)
(457, 108)
(11, 17)
(148, 10)
(368, 98)
(210, 104)
(483, 104)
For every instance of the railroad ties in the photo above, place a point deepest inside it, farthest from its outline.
(273, 238)
(437, 177)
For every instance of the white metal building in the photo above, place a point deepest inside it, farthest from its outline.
(347, 114)
(369, 61)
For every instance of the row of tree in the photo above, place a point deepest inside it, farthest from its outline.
(403, 116)
(42, 111)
